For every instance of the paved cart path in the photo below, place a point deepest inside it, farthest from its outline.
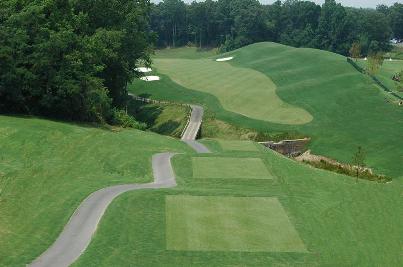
(77, 233)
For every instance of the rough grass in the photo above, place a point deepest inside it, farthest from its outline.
(341, 223)
(385, 74)
(349, 110)
(47, 168)
(240, 90)
(229, 168)
(250, 224)
(185, 53)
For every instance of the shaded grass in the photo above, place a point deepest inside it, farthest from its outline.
(47, 168)
(165, 119)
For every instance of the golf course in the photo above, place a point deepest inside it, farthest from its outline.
(313, 92)
(201, 133)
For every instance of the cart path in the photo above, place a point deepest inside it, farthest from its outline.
(77, 233)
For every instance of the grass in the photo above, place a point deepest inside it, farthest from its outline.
(240, 90)
(199, 223)
(186, 53)
(348, 109)
(165, 119)
(47, 168)
(229, 168)
(237, 145)
(385, 74)
(341, 223)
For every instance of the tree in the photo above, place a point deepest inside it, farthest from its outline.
(375, 62)
(70, 59)
(355, 51)
(396, 20)
(359, 161)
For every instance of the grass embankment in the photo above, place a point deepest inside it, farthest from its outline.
(386, 72)
(47, 168)
(300, 216)
(348, 109)
(165, 119)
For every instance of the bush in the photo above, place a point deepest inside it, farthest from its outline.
(121, 118)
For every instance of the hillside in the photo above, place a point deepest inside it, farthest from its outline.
(47, 168)
(348, 109)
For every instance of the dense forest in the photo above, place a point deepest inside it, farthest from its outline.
(70, 59)
(73, 59)
(230, 24)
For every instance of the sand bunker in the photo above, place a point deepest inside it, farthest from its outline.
(143, 69)
(224, 59)
(150, 78)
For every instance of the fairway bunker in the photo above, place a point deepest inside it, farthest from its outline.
(150, 78)
(216, 223)
(224, 59)
(143, 69)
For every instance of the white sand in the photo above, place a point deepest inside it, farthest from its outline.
(150, 78)
(224, 59)
(143, 69)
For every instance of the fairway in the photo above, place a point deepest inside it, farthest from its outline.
(237, 145)
(240, 90)
(222, 168)
(199, 223)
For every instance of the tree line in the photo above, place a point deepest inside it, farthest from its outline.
(71, 59)
(230, 24)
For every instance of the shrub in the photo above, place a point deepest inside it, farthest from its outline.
(121, 118)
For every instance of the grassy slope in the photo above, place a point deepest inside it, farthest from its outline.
(340, 222)
(388, 69)
(348, 109)
(47, 168)
(165, 119)
(239, 90)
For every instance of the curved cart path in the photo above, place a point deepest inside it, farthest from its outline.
(77, 233)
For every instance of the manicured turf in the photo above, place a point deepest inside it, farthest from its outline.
(349, 110)
(229, 168)
(47, 168)
(340, 222)
(239, 90)
(237, 145)
(199, 223)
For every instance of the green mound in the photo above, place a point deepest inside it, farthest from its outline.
(239, 90)
(47, 168)
(229, 168)
(198, 223)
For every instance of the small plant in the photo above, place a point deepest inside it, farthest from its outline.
(375, 62)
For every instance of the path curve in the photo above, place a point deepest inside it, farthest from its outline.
(77, 233)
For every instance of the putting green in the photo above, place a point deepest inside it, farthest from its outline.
(237, 145)
(221, 168)
(249, 224)
(240, 90)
